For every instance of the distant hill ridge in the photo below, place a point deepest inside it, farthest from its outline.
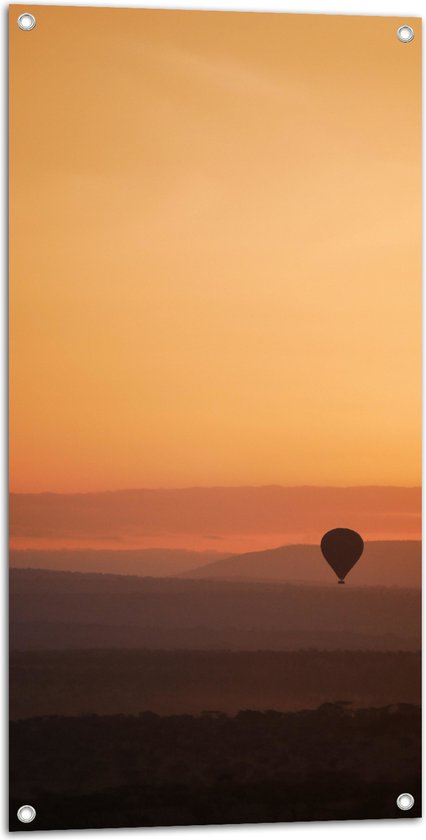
(383, 563)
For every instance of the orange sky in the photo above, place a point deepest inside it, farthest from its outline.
(215, 250)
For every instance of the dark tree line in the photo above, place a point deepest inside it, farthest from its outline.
(334, 762)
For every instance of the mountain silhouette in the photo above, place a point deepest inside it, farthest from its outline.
(384, 563)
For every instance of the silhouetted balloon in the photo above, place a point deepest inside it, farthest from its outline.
(342, 548)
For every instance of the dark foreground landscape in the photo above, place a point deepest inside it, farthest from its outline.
(175, 682)
(324, 764)
(146, 702)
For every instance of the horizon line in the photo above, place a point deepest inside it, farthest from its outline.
(202, 487)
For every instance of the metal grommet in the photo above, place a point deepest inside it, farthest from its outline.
(26, 21)
(26, 813)
(405, 33)
(405, 801)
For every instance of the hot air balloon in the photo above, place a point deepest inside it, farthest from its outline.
(342, 548)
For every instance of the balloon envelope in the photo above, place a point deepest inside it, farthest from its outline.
(342, 548)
